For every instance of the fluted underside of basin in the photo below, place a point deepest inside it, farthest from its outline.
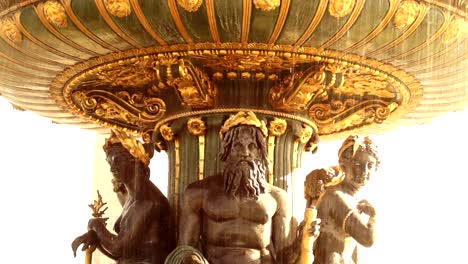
(346, 66)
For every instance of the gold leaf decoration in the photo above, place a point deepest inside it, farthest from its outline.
(190, 5)
(196, 126)
(166, 132)
(118, 107)
(194, 86)
(456, 31)
(243, 118)
(341, 8)
(304, 134)
(118, 8)
(10, 30)
(267, 5)
(406, 14)
(55, 14)
(277, 127)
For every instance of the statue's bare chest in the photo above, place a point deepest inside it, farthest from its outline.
(220, 207)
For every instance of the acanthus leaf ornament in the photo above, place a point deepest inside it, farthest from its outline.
(55, 14)
(194, 87)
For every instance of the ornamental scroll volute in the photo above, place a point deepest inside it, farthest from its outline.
(128, 94)
(337, 98)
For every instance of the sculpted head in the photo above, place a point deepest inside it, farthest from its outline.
(244, 152)
(126, 156)
(358, 159)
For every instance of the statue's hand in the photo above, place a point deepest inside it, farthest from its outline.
(88, 239)
(95, 223)
(314, 230)
(365, 207)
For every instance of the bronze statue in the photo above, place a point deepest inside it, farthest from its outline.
(236, 216)
(317, 180)
(340, 211)
(144, 233)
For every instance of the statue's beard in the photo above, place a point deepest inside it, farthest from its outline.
(245, 177)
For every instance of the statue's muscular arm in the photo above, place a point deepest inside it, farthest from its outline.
(283, 233)
(137, 218)
(190, 217)
(355, 225)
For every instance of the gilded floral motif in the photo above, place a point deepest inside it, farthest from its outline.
(277, 127)
(406, 14)
(341, 8)
(190, 5)
(267, 5)
(10, 30)
(118, 8)
(166, 132)
(196, 126)
(55, 14)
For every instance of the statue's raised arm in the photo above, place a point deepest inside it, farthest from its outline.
(343, 225)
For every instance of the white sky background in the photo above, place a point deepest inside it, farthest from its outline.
(419, 192)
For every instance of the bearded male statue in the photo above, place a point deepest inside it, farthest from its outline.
(236, 216)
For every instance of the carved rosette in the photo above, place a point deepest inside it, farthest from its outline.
(118, 8)
(406, 14)
(277, 127)
(9, 29)
(190, 5)
(267, 5)
(196, 126)
(55, 14)
(341, 8)
(166, 132)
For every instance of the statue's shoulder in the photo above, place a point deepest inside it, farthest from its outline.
(277, 192)
(206, 184)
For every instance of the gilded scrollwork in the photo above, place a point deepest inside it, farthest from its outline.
(406, 13)
(131, 75)
(118, 8)
(267, 5)
(134, 109)
(295, 92)
(55, 14)
(190, 5)
(10, 30)
(348, 114)
(341, 8)
(277, 127)
(194, 87)
(456, 31)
